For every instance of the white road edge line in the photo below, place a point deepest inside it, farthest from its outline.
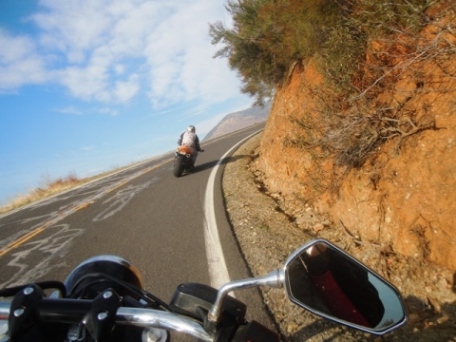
(218, 271)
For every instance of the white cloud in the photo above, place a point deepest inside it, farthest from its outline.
(106, 50)
(120, 69)
(108, 111)
(180, 55)
(69, 111)
(86, 82)
(19, 62)
(125, 90)
(73, 28)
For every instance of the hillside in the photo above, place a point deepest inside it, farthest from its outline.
(360, 143)
(238, 120)
(372, 167)
(381, 169)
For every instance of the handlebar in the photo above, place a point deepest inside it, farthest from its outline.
(199, 306)
(150, 318)
(72, 311)
(4, 310)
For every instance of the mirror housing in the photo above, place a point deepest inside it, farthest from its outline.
(325, 280)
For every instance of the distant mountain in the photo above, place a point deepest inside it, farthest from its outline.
(238, 120)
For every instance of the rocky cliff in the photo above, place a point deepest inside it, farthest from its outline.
(388, 172)
(238, 120)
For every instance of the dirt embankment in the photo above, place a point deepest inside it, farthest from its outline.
(402, 195)
(267, 235)
(388, 192)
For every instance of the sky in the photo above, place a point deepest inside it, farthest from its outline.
(90, 85)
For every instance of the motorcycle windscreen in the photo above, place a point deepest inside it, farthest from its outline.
(330, 283)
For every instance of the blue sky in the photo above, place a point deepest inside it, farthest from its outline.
(89, 85)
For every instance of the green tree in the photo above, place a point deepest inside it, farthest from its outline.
(269, 36)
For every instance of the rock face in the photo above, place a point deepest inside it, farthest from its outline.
(238, 120)
(404, 194)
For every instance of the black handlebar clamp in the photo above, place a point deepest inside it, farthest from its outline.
(22, 309)
(101, 318)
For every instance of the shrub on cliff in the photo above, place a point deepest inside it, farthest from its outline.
(268, 37)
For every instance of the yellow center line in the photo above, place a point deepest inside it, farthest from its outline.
(21, 240)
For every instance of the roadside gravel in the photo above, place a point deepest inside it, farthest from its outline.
(267, 234)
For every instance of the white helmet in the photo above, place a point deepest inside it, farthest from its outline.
(191, 129)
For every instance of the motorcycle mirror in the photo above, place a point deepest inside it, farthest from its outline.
(330, 283)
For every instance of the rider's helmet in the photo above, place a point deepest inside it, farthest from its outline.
(191, 129)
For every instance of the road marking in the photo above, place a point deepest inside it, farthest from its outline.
(21, 240)
(218, 271)
(49, 251)
(67, 212)
(72, 209)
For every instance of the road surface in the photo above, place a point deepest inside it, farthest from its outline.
(158, 222)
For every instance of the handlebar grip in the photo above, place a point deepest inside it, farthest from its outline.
(4, 310)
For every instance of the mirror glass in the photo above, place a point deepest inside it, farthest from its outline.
(329, 282)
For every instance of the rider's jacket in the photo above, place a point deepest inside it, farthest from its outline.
(189, 139)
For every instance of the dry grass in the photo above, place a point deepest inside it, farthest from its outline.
(49, 188)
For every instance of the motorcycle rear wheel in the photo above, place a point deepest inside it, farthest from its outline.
(179, 166)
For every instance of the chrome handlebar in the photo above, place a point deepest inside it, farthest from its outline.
(147, 318)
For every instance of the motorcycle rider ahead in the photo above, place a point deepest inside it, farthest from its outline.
(190, 139)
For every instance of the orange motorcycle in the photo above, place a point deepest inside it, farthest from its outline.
(183, 163)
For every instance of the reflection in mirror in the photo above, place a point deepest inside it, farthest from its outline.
(328, 282)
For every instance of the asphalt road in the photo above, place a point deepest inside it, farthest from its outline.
(144, 214)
